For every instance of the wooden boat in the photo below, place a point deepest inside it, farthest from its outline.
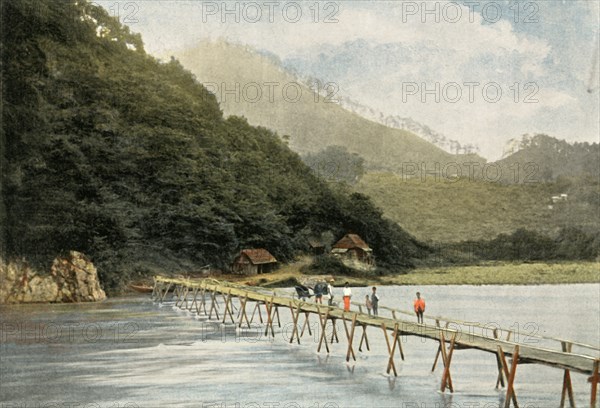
(141, 288)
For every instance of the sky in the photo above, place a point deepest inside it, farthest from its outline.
(480, 72)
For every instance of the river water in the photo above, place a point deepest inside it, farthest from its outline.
(131, 352)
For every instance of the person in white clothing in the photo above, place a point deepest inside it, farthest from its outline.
(347, 296)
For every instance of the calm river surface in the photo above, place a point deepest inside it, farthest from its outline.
(131, 352)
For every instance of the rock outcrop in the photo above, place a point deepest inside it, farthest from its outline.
(72, 278)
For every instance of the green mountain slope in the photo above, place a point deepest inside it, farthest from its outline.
(107, 151)
(445, 211)
(251, 85)
(545, 158)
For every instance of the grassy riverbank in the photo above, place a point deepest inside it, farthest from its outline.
(489, 274)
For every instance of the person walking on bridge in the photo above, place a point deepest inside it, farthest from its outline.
(419, 307)
(330, 291)
(374, 301)
(347, 296)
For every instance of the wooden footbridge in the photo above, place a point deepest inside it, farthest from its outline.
(208, 296)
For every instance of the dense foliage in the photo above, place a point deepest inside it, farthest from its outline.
(569, 243)
(336, 164)
(128, 159)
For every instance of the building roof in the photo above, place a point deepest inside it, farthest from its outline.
(351, 241)
(259, 256)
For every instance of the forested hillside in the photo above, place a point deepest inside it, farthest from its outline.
(107, 151)
(546, 158)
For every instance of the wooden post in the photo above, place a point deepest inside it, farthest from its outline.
(511, 379)
(182, 298)
(364, 337)
(567, 388)
(391, 364)
(594, 379)
(295, 317)
(257, 306)
(228, 308)
(350, 336)
(269, 307)
(242, 313)
(166, 291)
(277, 313)
(323, 338)
(500, 379)
(213, 305)
(177, 292)
(439, 350)
(306, 324)
(154, 288)
(447, 358)
(334, 331)
(194, 303)
(203, 302)
(511, 395)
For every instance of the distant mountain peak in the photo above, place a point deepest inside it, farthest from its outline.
(398, 122)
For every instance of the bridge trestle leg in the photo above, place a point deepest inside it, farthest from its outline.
(594, 379)
(202, 306)
(162, 299)
(182, 298)
(439, 350)
(242, 313)
(193, 303)
(500, 379)
(270, 314)
(567, 388)
(323, 338)
(511, 395)
(364, 338)
(334, 334)
(277, 314)
(391, 347)
(228, 308)
(306, 324)
(213, 306)
(350, 336)
(447, 359)
(257, 307)
(154, 288)
(295, 317)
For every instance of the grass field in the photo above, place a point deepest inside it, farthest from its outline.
(502, 274)
(489, 274)
(444, 211)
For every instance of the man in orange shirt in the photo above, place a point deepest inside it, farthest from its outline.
(419, 307)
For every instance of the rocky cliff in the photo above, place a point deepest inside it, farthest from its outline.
(72, 278)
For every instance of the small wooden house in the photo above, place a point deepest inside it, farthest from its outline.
(352, 248)
(317, 247)
(254, 261)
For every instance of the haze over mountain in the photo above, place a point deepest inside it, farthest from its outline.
(540, 54)
(249, 84)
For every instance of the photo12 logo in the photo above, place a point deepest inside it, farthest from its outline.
(452, 12)
(124, 11)
(270, 92)
(269, 11)
(471, 92)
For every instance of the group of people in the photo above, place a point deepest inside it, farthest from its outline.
(371, 302)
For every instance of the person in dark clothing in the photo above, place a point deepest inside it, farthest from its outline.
(374, 300)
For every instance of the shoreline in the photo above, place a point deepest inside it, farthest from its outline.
(539, 273)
